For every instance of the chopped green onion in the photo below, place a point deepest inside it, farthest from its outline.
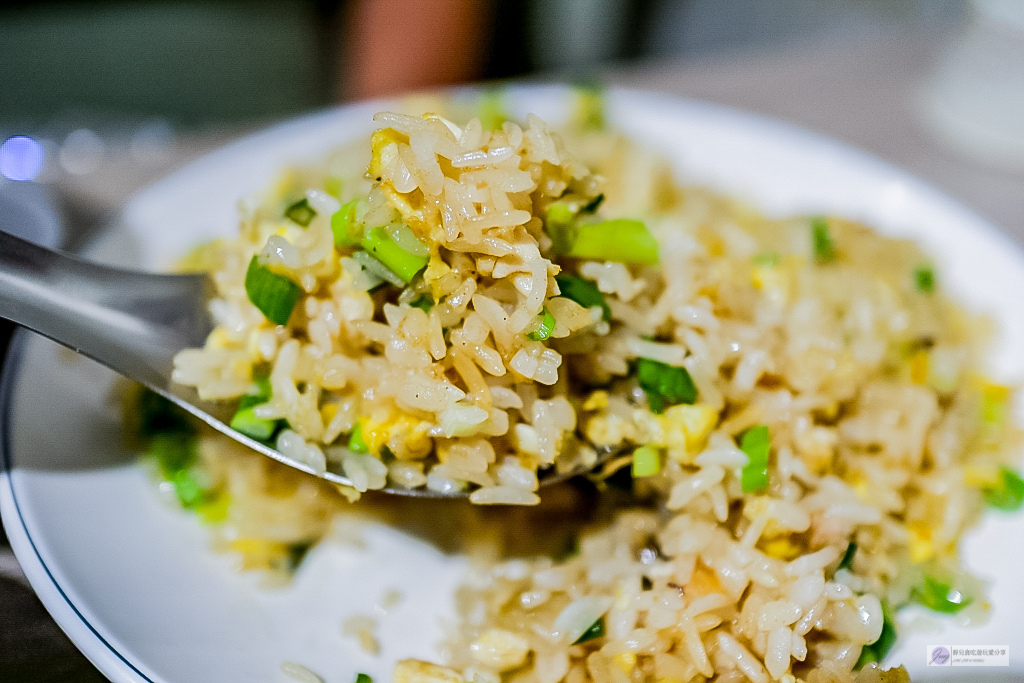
(665, 385)
(345, 225)
(596, 630)
(356, 443)
(824, 247)
(646, 462)
(767, 259)
(296, 553)
(924, 279)
(259, 428)
(189, 489)
(755, 443)
(376, 271)
(378, 243)
(544, 328)
(424, 302)
(593, 204)
(622, 240)
(491, 109)
(300, 213)
(261, 395)
(590, 106)
(173, 451)
(402, 235)
(876, 651)
(847, 561)
(569, 548)
(275, 295)
(939, 596)
(1008, 494)
(159, 415)
(582, 291)
(561, 227)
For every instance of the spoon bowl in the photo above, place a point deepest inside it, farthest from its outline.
(134, 323)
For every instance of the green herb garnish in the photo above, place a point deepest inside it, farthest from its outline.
(665, 385)
(345, 226)
(379, 244)
(596, 630)
(544, 328)
(356, 443)
(646, 462)
(876, 651)
(939, 596)
(275, 295)
(1008, 494)
(300, 213)
(847, 561)
(424, 302)
(755, 443)
(924, 279)
(622, 240)
(824, 247)
(582, 291)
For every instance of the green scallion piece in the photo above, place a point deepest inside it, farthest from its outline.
(424, 302)
(665, 385)
(378, 243)
(755, 443)
(300, 213)
(590, 106)
(924, 279)
(246, 422)
(646, 462)
(596, 630)
(158, 415)
(622, 240)
(767, 259)
(847, 561)
(275, 295)
(1008, 494)
(364, 678)
(345, 226)
(491, 109)
(189, 489)
(356, 443)
(582, 291)
(877, 651)
(545, 326)
(561, 227)
(593, 204)
(939, 596)
(824, 247)
(173, 452)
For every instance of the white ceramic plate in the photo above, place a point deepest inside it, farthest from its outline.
(134, 583)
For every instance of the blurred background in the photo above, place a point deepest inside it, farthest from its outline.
(100, 98)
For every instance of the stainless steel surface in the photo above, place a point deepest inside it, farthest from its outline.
(134, 323)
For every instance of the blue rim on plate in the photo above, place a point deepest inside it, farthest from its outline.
(53, 596)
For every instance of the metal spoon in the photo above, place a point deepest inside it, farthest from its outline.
(134, 323)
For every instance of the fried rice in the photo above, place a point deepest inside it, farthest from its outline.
(794, 406)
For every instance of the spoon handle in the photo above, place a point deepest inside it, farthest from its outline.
(131, 322)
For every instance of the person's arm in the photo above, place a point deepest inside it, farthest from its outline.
(397, 45)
